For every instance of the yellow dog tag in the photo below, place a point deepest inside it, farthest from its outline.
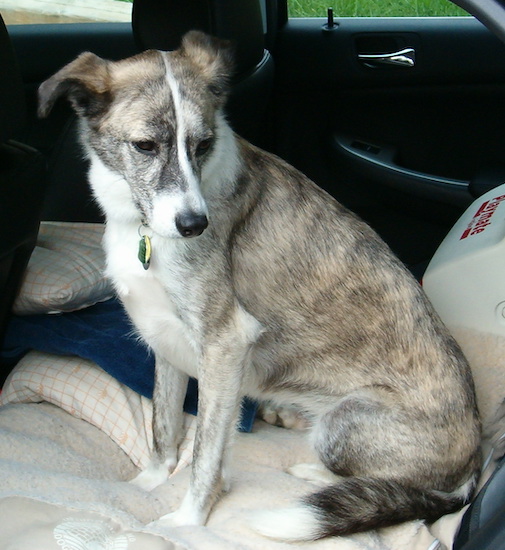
(145, 251)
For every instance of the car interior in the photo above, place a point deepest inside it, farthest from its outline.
(407, 141)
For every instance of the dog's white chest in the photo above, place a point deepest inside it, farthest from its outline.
(148, 296)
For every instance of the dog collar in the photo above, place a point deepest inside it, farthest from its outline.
(145, 248)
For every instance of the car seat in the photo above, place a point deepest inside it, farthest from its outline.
(22, 184)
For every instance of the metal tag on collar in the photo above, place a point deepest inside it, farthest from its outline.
(145, 249)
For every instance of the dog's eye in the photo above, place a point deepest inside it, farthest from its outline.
(203, 146)
(146, 147)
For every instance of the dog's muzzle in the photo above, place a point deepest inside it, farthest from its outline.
(191, 225)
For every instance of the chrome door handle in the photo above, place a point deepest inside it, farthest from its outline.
(404, 58)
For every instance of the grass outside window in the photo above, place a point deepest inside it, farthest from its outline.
(374, 8)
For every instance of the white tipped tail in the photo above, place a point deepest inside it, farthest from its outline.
(356, 504)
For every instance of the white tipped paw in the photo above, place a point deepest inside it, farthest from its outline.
(284, 417)
(185, 515)
(189, 513)
(168, 520)
(154, 475)
(174, 519)
(315, 473)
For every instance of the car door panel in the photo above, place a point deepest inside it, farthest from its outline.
(383, 163)
(399, 144)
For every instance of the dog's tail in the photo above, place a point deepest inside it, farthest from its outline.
(358, 504)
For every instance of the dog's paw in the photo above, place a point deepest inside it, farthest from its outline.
(284, 417)
(181, 517)
(154, 475)
(149, 479)
(315, 473)
(174, 519)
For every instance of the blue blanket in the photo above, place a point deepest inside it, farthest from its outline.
(102, 333)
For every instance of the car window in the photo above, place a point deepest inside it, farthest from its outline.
(374, 8)
(15, 12)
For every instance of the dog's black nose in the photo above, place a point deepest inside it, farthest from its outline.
(191, 225)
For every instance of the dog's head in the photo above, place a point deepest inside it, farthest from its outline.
(150, 124)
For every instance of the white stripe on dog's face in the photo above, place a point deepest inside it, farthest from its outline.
(183, 118)
(186, 199)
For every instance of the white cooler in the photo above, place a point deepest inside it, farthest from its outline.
(465, 280)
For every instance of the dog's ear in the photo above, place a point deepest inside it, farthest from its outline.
(213, 57)
(84, 81)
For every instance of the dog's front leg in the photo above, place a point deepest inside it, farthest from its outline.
(168, 400)
(224, 364)
(218, 417)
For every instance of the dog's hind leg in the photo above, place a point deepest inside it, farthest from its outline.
(395, 466)
(168, 401)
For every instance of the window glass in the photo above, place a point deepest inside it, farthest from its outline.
(374, 8)
(15, 12)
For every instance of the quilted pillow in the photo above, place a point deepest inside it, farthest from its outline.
(84, 390)
(65, 271)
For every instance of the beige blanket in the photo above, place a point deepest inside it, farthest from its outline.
(63, 480)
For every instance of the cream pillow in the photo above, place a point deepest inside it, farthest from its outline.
(65, 271)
